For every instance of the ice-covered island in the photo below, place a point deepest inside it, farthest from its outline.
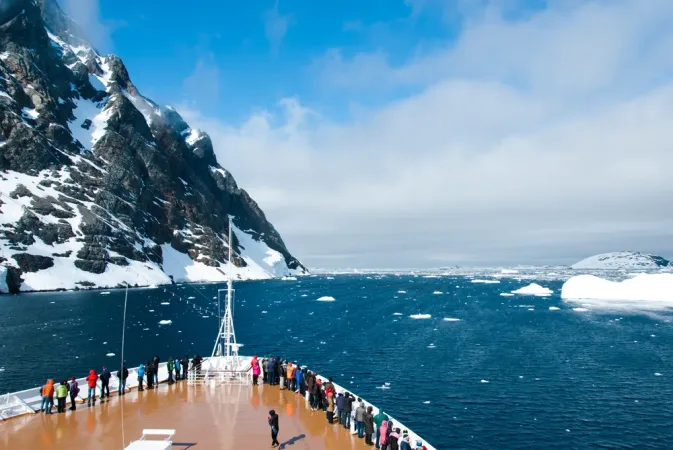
(622, 261)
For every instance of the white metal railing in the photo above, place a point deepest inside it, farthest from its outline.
(11, 405)
(211, 371)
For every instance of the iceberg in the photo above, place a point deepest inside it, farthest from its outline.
(649, 291)
(326, 298)
(533, 289)
(420, 316)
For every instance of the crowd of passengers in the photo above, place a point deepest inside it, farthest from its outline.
(148, 377)
(340, 408)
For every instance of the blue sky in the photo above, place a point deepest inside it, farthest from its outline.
(230, 58)
(421, 133)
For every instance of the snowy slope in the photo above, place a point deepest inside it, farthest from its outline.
(622, 260)
(99, 185)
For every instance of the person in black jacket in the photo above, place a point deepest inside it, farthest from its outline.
(273, 423)
(122, 375)
(105, 383)
(149, 374)
(185, 366)
(348, 407)
(155, 370)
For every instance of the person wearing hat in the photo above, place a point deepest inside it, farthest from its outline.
(405, 443)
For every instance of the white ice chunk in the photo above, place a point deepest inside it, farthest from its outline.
(420, 316)
(648, 291)
(165, 322)
(553, 308)
(326, 298)
(533, 289)
(486, 281)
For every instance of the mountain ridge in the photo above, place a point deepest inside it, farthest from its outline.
(102, 186)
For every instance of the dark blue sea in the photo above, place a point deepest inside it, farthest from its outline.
(510, 374)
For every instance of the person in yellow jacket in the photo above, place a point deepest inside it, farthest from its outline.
(61, 395)
(288, 375)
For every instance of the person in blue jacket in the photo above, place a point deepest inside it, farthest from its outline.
(299, 377)
(141, 375)
(340, 408)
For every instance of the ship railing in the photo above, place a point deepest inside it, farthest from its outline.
(11, 406)
(211, 372)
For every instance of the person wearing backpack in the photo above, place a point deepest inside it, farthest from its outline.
(379, 419)
(73, 388)
(61, 395)
(122, 375)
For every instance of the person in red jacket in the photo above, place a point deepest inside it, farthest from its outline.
(91, 380)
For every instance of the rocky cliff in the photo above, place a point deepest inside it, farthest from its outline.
(98, 184)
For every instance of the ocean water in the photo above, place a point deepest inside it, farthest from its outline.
(510, 374)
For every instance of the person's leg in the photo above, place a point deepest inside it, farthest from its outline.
(72, 402)
(50, 405)
(378, 438)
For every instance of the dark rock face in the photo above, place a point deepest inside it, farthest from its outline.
(103, 174)
(32, 263)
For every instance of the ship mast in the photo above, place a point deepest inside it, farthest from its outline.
(225, 351)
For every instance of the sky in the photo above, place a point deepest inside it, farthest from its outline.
(423, 133)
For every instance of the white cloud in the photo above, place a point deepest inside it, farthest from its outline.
(276, 26)
(540, 140)
(87, 14)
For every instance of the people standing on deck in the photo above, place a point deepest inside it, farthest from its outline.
(298, 380)
(141, 375)
(378, 420)
(315, 393)
(122, 375)
(105, 383)
(383, 435)
(73, 388)
(196, 364)
(348, 408)
(149, 374)
(170, 365)
(369, 425)
(91, 381)
(340, 407)
(289, 376)
(330, 407)
(177, 369)
(47, 393)
(255, 370)
(61, 395)
(393, 439)
(155, 370)
(281, 369)
(272, 371)
(275, 428)
(360, 419)
(185, 366)
(405, 442)
(265, 370)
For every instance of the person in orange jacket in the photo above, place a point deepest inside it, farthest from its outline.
(47, 393)
(91, 380)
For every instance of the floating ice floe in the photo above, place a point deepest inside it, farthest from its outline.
(420, 316)
(401, 292)
(506, 294)
(110, 354)
(289, 278)
(326, 298)
(432, 346)
(165, 303)
(304, 295)
(437, 293)
(484, 381)
(191, 298)
(205, 317)
(150, 310)
(644, 291)
(580, 309)
(534, 289)
(657, 374)
(263, 312)
(165, 322)
(105, 293)
(508, 271)
(398, 314)
(554, 308)
(450, 319)
(486, 281)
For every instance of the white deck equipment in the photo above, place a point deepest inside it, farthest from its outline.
(153, 444)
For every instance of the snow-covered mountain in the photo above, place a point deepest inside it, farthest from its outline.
(98, 184)
(622, 260)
